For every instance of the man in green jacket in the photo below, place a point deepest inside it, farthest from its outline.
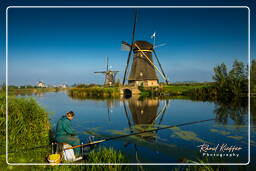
(65, 133)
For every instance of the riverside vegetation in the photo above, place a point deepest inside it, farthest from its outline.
(228, 84)
(94, 91)
(29, 90)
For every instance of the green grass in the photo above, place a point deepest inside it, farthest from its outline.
(107, 155)
(202, 167)
(29, 126)
(195, 91)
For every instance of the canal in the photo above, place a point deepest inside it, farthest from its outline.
(104, 118)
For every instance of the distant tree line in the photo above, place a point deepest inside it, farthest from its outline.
(253, 76)
(233, 82)
(10, 87)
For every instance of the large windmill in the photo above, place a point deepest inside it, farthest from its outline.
(109, 75)
(143, 69)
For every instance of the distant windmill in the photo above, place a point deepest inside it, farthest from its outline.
(143, 69)
(109, 75)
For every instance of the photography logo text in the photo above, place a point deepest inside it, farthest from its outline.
(220, 150)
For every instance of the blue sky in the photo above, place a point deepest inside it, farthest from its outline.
(68, 45)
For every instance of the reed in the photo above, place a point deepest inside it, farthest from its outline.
(106, 92)
(28, 126)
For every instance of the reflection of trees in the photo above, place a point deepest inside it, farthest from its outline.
(253, 112)
(236, 110)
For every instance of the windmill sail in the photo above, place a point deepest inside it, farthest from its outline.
(130, 52)
(125, 46)
(109, 75)
(142, 70)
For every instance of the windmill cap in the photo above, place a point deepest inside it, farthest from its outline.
(143, 45)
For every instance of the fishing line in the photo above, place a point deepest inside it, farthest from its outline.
(112, 138)
(137, 133)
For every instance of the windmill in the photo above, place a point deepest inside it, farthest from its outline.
(109, 75)
(143, 70)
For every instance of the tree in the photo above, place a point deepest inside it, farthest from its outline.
(220, 75)
(238, 77)
(253, 76)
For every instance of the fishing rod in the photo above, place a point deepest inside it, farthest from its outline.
(137, 133)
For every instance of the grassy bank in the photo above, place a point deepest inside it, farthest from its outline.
(94, 92)
(192, 90)
(28, 126)
(30, 91)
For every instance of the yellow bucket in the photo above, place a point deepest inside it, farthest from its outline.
(54, 159)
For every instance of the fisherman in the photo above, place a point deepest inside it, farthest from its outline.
(66, 134)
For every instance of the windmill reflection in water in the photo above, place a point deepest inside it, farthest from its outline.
(144, 114)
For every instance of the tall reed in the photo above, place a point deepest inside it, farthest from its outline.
(96, 91)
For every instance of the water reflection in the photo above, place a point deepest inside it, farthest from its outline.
(24, 94)
(144, 115)
(235, 110)
(145, 111)
(111, 103)
(253, 112)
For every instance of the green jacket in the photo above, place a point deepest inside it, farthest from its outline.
(64, 127)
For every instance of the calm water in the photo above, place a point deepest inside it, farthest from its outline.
(108, 118)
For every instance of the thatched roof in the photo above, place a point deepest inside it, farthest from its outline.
(144, 45)
(141, 68)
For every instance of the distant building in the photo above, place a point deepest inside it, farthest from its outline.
(63, 86)
(41, 84)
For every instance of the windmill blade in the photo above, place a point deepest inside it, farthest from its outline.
(161, 119)
(161, 112)
(160, 66)
(163, 75)
(108, 115)
(127, 117)
(163, 44)
(103, 72)
(107, 63)
(125, 46)
(130, 52)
